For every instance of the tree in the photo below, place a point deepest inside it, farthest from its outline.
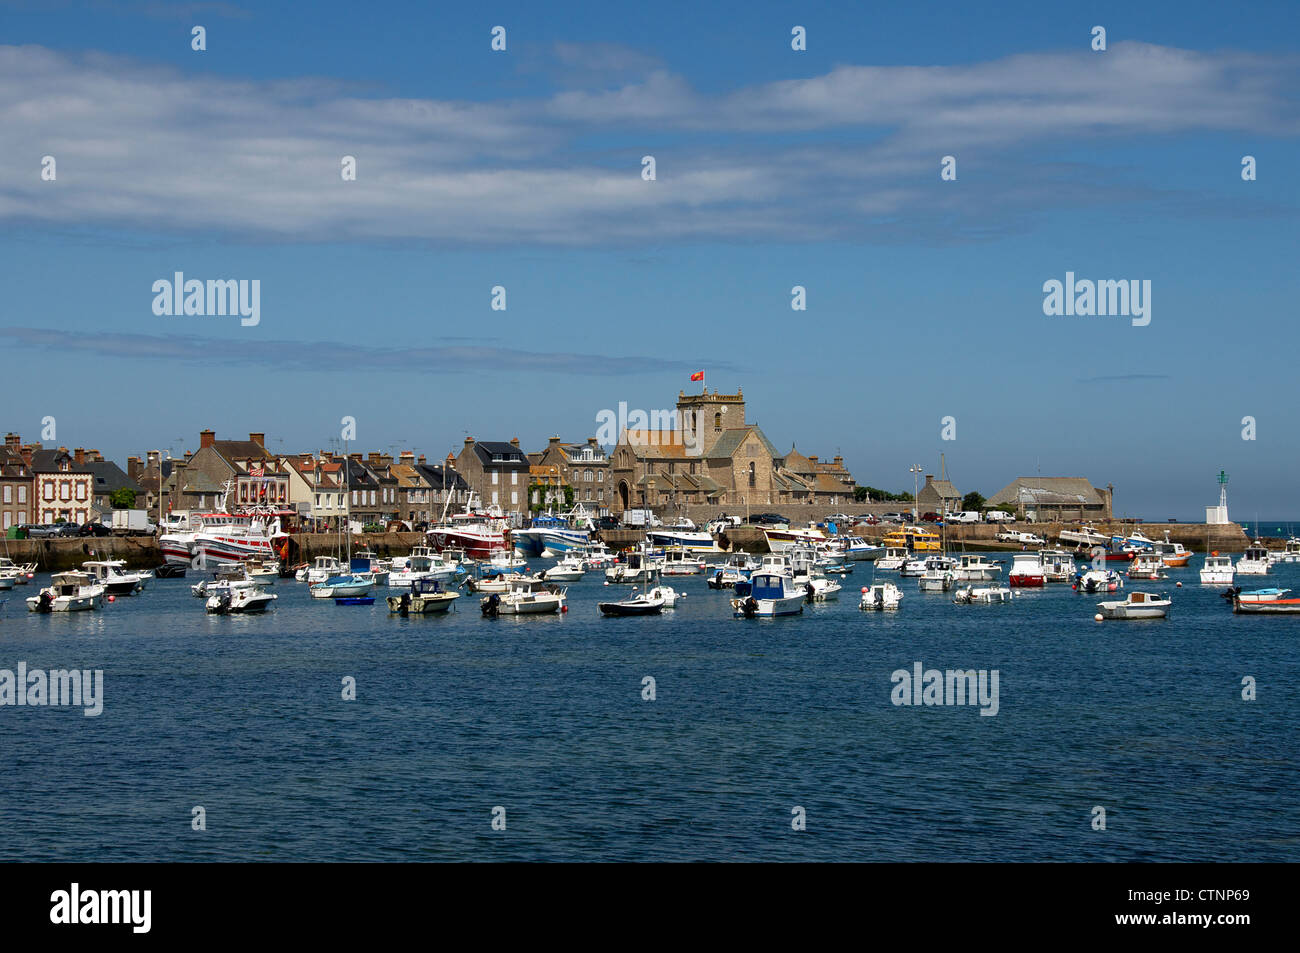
(860, 494)
(973, 502)
(123, 499)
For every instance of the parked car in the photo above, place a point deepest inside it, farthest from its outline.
(52, 530)
(608, 522)
(931, 517)
(838, 518)
(999, 516)
(867, 519)
(94, 528)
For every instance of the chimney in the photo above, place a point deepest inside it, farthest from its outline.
(408, 457)
(451, 461)
(133, 469)
(469, 442)
(839, 460)
(553, 441)
(929, 478)
(259, 439)
(13, 441)
(373, 458)
(591, 441)
(95, 456)
(420, 459)
(813, 460)
(206, 438)
(514, 442)
(188, 454)
(27, 455)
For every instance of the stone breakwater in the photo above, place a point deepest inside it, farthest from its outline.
(55, 555)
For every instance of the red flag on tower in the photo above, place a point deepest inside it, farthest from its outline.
(697, 376)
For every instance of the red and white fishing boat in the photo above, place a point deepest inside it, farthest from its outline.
(1026, 571)
(479, 533)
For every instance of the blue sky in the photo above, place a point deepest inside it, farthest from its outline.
(775, 168)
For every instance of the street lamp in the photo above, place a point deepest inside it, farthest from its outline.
(915, 470)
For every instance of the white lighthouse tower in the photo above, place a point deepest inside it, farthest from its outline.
(1218, 515)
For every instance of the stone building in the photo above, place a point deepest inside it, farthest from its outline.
(938, 496)
(714, 455)
(16, 500)
(583, 466)
(1048, 499)
(497, 473)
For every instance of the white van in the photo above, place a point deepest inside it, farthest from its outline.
(999, 516)
(966, 516)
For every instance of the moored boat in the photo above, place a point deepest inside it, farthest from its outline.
(423, 597)
(770, 594)
(1265, 602)
(241, 600)
(1254, 562)
(969, 595)
(68, 592)
(1217, 570)
(881, 596)
(1138, 605)
(1026, 571)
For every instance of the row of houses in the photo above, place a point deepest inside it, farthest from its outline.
(40, 485)
(705, 451)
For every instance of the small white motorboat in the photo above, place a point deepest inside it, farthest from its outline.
(68, 592)
(1217, 570)
(1147, 566)
(238, 600)
(570, 568)
(322, 568)
(768, 593)
(425, 597)
(969, 595)
(1138, 605)
(116, 579)
(1254, 561)
(1098, 580)
(894, 558)
(881, 595)
(526, 595)
(348, 586)
(975, 568)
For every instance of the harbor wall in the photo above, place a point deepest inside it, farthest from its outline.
(55, 555)
(1226, 538)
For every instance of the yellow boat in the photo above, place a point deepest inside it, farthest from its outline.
(914, 539)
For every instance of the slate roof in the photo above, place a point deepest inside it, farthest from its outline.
(510, 454)
(1049, 491)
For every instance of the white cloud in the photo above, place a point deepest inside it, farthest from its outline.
(149, 148)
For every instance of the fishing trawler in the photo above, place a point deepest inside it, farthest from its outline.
(480, 533)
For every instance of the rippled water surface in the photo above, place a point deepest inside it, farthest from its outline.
(544, 716)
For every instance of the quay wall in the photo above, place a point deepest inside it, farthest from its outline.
(55, 555)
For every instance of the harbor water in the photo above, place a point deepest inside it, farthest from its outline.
(751, 720)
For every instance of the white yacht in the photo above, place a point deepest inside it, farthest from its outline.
(1058, 565)
(1088, 536)
(570, 568)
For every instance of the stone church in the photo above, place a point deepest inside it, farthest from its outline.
(714, 456)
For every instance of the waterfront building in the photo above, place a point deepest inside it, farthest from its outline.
(15, 484)
(713, 455)
(496, 472)
(583, 466)
(938, 496)
(1054, 499)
